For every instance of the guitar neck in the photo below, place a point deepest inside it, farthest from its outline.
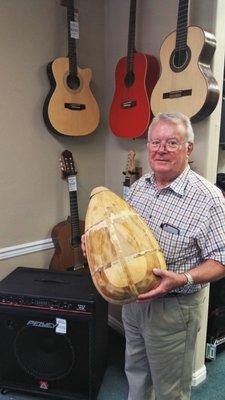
(71, 38)
(75, 229)
(182, 25)
(131, 36)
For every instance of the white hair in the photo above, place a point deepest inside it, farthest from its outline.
(175, 118)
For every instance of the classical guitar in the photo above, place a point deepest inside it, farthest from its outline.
(70, 107)
(66, 234)
(186, 83)
(135, 77)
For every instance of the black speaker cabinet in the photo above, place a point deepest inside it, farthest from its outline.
(50, 343)
(216, 314)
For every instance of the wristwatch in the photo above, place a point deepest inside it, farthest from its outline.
(190, 280)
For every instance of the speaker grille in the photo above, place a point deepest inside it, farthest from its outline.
(44, 354)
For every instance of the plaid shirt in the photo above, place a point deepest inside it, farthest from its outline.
(187, 218)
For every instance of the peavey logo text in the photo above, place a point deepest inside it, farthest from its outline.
(41, 324)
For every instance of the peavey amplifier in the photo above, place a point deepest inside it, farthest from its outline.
(53, 334)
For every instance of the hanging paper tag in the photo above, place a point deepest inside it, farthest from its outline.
(74, 26)
(72, 183)
(61, 326)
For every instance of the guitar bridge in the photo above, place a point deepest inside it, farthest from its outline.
(75, 106)
(129, 104)
(177, 93)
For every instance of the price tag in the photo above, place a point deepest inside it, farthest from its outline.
(72, 183)
(61, 326)
(74, 26)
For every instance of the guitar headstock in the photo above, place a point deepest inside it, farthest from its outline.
(130, 173)
(67, 164)
(130, 166)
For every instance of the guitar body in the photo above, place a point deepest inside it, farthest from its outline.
(132, 122)
(71, 112)
(192, 89)
(66, 256)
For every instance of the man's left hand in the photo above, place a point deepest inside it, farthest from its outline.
(169, 281)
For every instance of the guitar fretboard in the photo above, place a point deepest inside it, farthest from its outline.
(131, 36)
(182, 23)
(71, 40)
(75, 230)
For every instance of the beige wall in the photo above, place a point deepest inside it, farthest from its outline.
(33, 32)
(33, 196)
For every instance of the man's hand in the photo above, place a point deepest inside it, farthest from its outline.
(83, 247)
(169, 281)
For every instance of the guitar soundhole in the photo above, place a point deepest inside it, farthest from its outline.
(129, 79)
(180, 59)
(73, 81)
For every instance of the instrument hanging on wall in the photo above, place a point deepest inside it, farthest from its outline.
(186, 83)
(135, 76)
(70, 108)
(66, 234)
(129, 173)
(121, 249)
(132, 173)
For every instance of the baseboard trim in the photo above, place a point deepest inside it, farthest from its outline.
(199, 376)
(26, 248)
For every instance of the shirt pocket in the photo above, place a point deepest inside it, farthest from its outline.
(176, 246)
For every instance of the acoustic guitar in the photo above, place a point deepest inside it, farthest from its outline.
(135, 77)
(186, 83)
(70, 107)
(66, 234)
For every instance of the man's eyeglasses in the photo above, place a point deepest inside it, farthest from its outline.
(170, 144)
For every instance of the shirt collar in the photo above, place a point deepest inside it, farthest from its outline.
(178, 185)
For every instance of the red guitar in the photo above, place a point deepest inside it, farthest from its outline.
(136, 75)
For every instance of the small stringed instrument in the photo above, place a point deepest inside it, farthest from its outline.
(66, 234)
(135, 76)
(186, 83)
(130, 172)
(70, 107)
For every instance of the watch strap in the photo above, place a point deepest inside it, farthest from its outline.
(190, 280)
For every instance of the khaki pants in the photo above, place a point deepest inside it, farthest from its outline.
(160, 345)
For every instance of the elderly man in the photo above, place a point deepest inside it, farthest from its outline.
(186, 213)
